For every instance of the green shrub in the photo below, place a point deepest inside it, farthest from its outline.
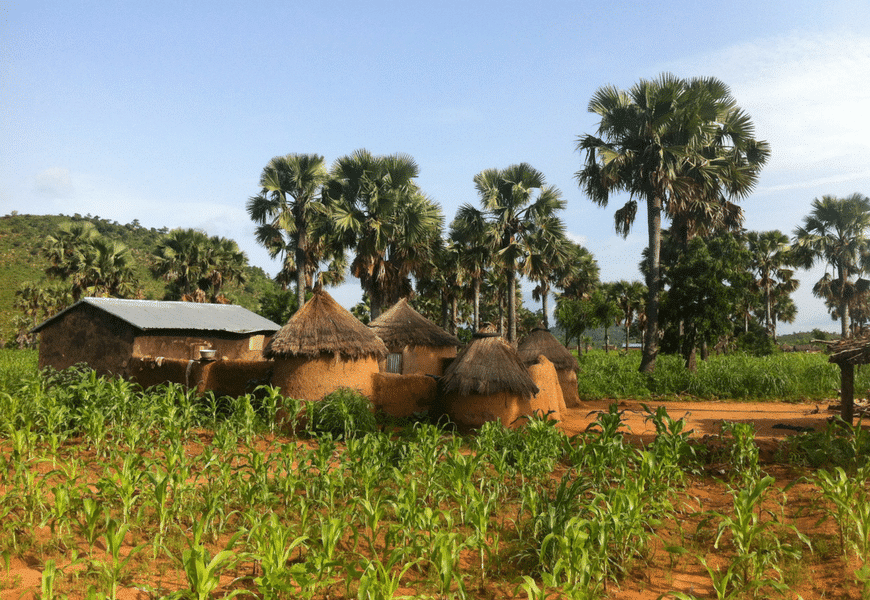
(345, 413)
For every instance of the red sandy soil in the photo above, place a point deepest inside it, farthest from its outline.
(824, 575)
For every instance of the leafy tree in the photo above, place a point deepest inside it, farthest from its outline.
(518, 203)
(684, 147)
(705, 283)
(285, 211)
(575, 316)
(377, 210)
(836, 233)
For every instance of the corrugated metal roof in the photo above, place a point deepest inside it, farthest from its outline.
(149, 315)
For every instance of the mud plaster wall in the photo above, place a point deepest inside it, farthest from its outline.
(474, 410)
(426, 360)
(568, 382)
(549, 399)
(308, 378)
(403, 395)
(87, 335)
(185, 344)
(223, 377)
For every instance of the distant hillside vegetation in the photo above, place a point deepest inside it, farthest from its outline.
(22, 237)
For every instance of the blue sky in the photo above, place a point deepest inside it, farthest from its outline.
(167, 112)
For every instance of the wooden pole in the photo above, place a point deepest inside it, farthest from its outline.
(847, 391)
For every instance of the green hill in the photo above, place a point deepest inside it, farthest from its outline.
(22, 236)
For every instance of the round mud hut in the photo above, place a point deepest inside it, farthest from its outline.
(540, 342)
(416, 345)
(488, 381)
(322, 348)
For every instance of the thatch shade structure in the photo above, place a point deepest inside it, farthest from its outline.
(416, 344)
(322, 348)
(847, 353)
(540, 342)
(487, 382)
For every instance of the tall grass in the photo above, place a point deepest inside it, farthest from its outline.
(785, 377)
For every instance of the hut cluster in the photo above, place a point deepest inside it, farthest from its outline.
(402, 361)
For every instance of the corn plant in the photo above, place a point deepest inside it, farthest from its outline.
(758, 546)
(444, 556)
(113, 571)
(94, 515)
(742, 450)
(203, 570)
(850, 504)
(273, 546)
(380, 581)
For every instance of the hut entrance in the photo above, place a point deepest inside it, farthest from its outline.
(394, 363)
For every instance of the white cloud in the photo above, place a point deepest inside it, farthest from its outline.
(578, 239)
(807, 94)
(55, 182)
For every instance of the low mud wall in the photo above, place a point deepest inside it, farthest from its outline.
(403, 395)
(223, 377)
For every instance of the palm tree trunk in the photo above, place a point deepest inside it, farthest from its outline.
(627, 325)
(545, 293)
(651, 334)
(476, 304)
(844, 306)
(512, 304)
(300, 275)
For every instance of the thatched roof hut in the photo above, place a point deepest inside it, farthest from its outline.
(323, 326)
(324, 347)
(489, 365)
(540, 342)
(416, 344)
(488, 381)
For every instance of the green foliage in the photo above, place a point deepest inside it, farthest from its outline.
(737, 376)
(22, 237)
(531, 449)
(345, 413)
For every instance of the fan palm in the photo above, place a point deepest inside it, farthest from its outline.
(285, 210)
(770, 258)
(468, 234)
(518, 203)
(836, 233)
(377, 209)
(630, 299)
(683, 146)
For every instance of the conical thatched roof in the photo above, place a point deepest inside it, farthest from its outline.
(541, 341)
(403, 326)
(323, 326)
(488, 365)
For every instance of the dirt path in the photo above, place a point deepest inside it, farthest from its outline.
(773, 420)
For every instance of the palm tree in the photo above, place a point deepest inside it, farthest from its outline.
(109, 269)
(836, 232)
(224, 263)
(377, 209)
(469, 233)
(285, 208)
(547, 249)
(630, 299)
(517, 203)
(68, 253)
(770, 256)
(180, 260)
(681, 145)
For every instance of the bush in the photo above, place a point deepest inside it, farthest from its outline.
(345, 413)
